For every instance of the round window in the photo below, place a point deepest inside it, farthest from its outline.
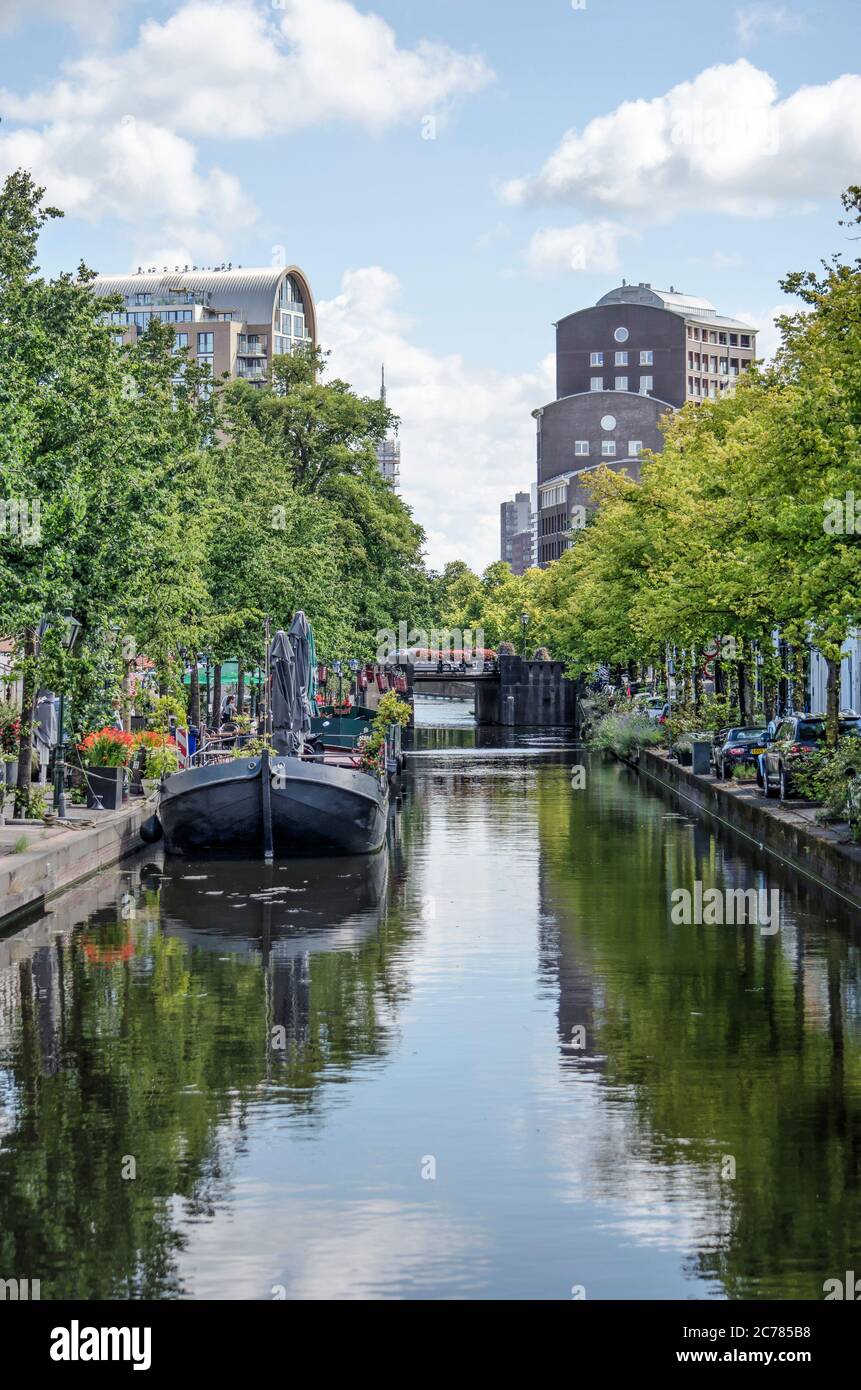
(608, 422)
(621, 335)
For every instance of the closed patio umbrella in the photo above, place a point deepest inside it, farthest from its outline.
(285, 738)
(305, 657)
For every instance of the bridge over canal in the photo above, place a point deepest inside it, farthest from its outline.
(517, 692)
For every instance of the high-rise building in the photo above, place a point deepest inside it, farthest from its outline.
(515, 532)
(230, 320)
(389, 449)
(621, 365)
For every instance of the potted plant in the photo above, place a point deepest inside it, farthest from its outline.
(10, 734)
(162, 758)
(107, 753)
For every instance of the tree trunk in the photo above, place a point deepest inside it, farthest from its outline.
(216, 696)
(799, 684)
(832, 702)
(769, 700)
(126, 697)
(240, 689)
(25, 743)
(720, 678)
(743, 704)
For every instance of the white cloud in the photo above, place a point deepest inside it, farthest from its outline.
(115, 134)
(467, 436)
(757, 18)
(233, 69)
(136, 171)
(723, 141)
(590, 246)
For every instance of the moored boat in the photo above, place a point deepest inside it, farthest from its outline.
(286, 799)
(315, 806)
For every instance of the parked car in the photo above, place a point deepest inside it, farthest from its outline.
(650, 705)
(794, 740)
(737, 747)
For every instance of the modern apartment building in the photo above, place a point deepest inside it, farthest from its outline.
(620, 366)
(231, 320)
(515, 532)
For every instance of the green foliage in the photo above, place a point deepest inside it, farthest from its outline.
(165, 707)
(830, 776)
(622, 732)
(161, 760)
(175, 513)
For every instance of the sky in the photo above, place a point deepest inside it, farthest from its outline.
(453, 176)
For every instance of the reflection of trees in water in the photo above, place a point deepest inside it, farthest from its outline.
(724, 1040)
(158, 1057)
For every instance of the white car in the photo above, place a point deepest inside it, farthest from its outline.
(652, 706)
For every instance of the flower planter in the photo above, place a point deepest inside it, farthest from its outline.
(11, 773)
(107, 784)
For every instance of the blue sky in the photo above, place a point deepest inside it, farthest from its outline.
(706, 147)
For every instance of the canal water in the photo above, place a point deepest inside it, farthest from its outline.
(485, 1064)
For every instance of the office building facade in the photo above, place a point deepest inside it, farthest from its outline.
(515, 532)
(621, 365)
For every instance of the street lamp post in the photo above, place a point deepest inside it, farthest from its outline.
(73, 632)
(524, 623)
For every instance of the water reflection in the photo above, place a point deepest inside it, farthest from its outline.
(484, 1063)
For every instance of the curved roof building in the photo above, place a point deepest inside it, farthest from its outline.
(232, 320)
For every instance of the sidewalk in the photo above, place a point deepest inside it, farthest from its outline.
(55, 857)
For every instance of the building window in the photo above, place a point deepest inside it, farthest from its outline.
(745, 340)
(596, 383)
(180, 340)
(621, 383)
(723, 367)
(608, 422)
(646, 358)
(596, 359)
(205, 359)
(733, 340)
(635, 448)
(621, 359)
(581, 447)
(621, 335)
(608, 448)
(206, 342)
(225, 318)
(143, 299)
(646, 385)
(712, 337)
(252, 345)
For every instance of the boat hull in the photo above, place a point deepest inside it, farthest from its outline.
(315, 808)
